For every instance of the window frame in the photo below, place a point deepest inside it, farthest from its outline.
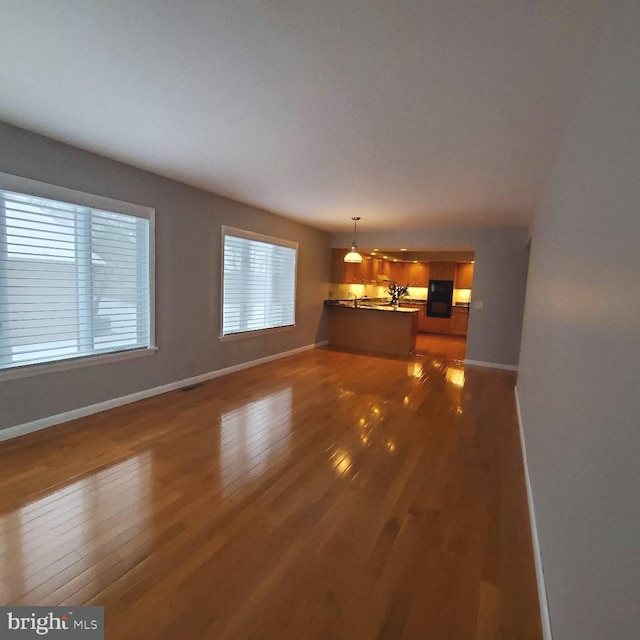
(39, 189)
(227, 230)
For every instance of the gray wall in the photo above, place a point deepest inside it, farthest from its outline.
(188, 223)
(579, 378)
(500, 279)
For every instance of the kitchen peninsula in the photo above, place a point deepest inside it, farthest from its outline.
(376, 328)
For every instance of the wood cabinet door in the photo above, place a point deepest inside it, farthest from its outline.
(366, 270)
(337, 266)
(464, 275)
(347, 272)
(379, 271)
(437, 325)
(442, 270)
(459, 322)
(418, 274)
(398, 272)
(352, 272)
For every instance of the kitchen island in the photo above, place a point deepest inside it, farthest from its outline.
(377, 328)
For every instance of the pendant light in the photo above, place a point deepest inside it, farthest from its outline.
(353, 255)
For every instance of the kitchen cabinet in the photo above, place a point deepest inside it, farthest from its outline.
(352, 272)
(418, 274)
(442, 270)
(464, 275)
(337, 266)
(437, 325)
(348, 272)
(383, 269)
(398, 272)
(459, 321)
(368, 271)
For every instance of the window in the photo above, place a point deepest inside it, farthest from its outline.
(75, 275)
(258, 282)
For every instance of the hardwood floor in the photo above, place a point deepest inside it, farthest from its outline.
(326, 495)
(441, 347)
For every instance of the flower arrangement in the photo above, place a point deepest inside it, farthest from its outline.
(397, 291)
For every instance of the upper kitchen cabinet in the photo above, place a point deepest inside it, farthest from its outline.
(367, 270)
(351, 273)
(382, 270)
(398, 272)
(337, 266)
(418, 274)
(464, 275)
(442, 270)
(344, 272)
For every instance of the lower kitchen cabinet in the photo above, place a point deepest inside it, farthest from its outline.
(456, 325)
(459, 321)
(436, 325)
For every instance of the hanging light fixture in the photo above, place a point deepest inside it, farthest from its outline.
(353, 255)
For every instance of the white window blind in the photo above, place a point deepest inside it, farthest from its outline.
(259, 282)
(74, 280)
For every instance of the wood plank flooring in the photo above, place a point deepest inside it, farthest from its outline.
(327, 495)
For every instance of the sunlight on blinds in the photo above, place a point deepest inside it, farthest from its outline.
(74, 281)
(259, 285)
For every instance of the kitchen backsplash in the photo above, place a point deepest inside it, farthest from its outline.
(461, 295)
(342, 291)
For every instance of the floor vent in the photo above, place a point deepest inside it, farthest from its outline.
(191, 387)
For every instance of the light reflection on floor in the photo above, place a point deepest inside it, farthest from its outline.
(74, 525)
(251, 436)
(455, 375)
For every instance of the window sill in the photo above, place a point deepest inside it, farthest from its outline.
(257, 332)
(73, 363)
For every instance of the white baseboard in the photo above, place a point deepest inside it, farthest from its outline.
(49, 421)
(542, 589)
(492, 365)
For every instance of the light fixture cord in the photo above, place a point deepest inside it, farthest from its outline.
(355, 226)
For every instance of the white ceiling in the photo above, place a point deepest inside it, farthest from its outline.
(404, 112)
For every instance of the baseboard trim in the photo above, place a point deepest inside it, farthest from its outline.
(492, 365)
(542, 589)
(50, 421)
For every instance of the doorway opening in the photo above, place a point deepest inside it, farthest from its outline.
(439, 284)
